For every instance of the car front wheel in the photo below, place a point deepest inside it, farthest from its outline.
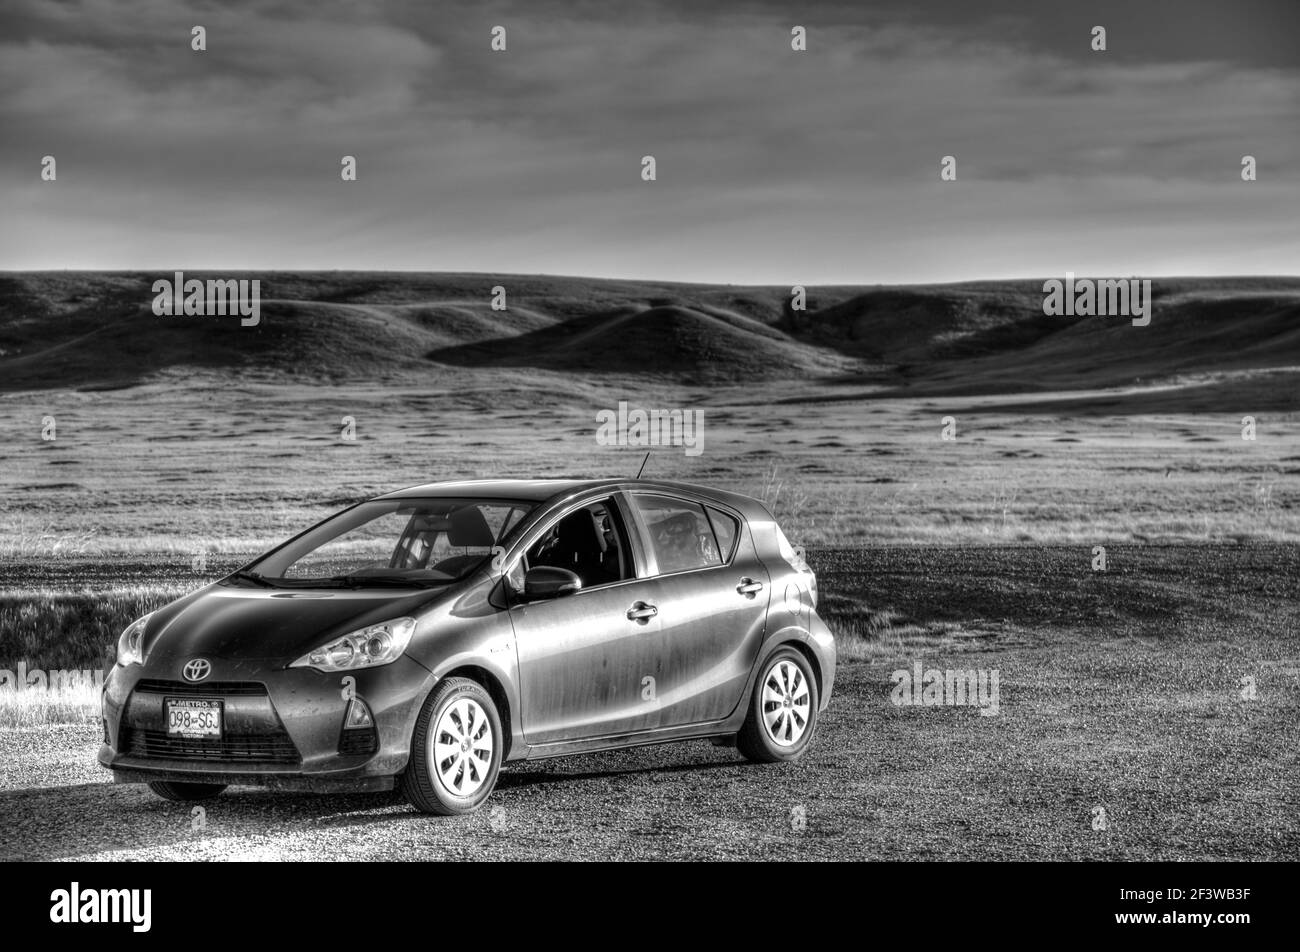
(782, 711)
(456, 750)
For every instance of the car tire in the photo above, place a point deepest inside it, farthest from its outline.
(782, 709)
(184, 792)
(455, 750)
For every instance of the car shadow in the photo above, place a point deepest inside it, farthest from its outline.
(533, 775)
(101, 819)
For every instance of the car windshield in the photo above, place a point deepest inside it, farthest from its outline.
(399, 542)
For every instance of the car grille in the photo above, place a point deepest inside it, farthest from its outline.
(273, 747)
(269, 746)
(204, 688)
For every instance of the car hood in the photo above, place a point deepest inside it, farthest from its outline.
(282, 625)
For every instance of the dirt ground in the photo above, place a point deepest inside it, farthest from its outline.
(1124, 730)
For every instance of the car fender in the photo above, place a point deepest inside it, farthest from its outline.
(817, 647)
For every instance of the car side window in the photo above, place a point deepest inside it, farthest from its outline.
(590, 542)
(726, 528)
(679, 533)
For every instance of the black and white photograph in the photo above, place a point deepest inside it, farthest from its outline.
(746, 432)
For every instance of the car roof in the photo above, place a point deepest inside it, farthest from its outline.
(542, 490)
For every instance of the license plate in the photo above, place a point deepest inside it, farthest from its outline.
(193, 716)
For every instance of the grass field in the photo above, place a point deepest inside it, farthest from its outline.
(144, 436)
(192, 468)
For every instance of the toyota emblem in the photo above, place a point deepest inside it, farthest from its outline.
(197, 669)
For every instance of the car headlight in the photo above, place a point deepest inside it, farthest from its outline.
(365, 648)
(130, 647)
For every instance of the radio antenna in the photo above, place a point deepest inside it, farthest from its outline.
(642, 469)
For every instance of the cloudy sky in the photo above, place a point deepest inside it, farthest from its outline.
(773, 166)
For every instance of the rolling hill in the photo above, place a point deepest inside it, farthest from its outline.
(85, 330)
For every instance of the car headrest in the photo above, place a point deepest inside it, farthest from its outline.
(674, 527)
(578, 532)
(468, 528)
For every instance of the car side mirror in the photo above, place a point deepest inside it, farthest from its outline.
(547, 581)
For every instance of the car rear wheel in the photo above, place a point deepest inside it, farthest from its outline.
(456, 750)
(782, 711)
(185, 792)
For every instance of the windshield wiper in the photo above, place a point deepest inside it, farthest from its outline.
(256, 577)
(405, 581)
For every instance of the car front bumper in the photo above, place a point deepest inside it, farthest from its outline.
(281, 727)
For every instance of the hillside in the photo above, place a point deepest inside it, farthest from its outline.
(94, 330)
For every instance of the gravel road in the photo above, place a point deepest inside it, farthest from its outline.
(1121, 700)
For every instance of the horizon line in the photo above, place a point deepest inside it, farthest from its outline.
(585, 277)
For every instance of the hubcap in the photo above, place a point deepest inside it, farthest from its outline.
(460, 748)
(786, 703)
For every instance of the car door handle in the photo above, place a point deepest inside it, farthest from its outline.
(748, 586)
(641, 611)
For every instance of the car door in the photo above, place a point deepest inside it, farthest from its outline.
(588, 661)
(712, 594)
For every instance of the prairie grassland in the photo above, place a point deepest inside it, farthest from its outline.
(187, 468)
(133, 435)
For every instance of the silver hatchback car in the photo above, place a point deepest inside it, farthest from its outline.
(422, 638)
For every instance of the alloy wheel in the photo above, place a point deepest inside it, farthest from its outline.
(461, 747)
(786, 703)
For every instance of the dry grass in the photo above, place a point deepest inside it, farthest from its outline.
(52, 629)
(180, 473)
(865, 634)
(25, 538)
(32, 707)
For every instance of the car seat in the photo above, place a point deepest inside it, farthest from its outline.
(581, 547)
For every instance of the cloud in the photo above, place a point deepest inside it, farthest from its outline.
(772, 164)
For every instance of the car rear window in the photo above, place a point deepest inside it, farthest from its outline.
(680, 535)
(726, 528)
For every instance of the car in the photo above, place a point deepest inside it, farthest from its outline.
(420, 639)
